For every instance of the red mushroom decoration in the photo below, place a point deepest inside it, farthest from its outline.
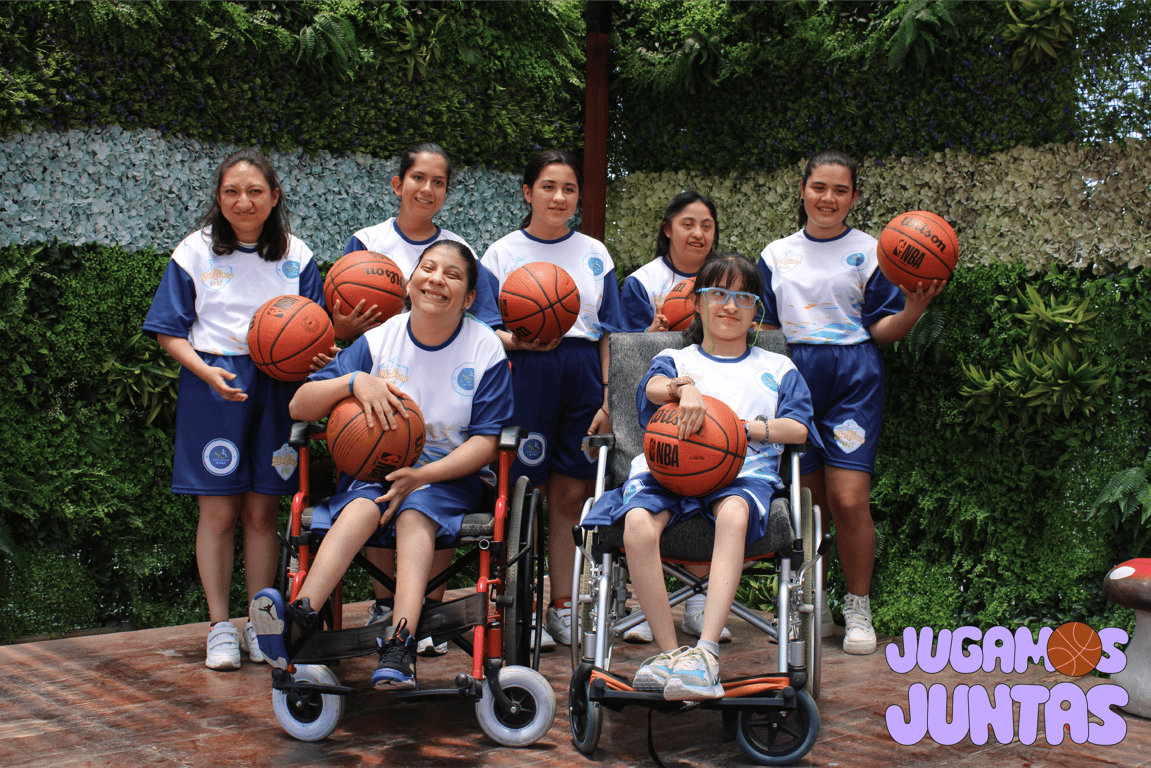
(1129, 585)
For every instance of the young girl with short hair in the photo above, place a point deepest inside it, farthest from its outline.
(768, 394)
(826, 292)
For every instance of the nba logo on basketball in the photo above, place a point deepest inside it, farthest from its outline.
(1073, 649)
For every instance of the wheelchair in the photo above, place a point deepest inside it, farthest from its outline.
(773, 716)
(515, 704)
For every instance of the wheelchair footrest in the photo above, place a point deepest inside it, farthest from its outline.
(609, 688)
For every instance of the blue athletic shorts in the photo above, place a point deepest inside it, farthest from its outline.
(557, 395)
(644, 492)
(846, 384)
(225, 448)
(446, 503)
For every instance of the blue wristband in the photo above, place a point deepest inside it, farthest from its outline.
(352, 381)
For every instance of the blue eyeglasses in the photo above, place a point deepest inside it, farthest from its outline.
(743, 299)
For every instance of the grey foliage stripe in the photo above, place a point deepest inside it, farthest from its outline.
(138, 189)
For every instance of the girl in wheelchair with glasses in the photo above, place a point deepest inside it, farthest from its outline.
(768, 394)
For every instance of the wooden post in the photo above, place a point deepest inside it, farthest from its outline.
(594, 214)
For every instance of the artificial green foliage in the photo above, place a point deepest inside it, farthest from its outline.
(1041, 28)
(926, 27)
(143, 378)
(924, 342)
(1129, 490)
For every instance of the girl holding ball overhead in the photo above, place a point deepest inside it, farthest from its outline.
(686, 236)
(232, 421)
(560, 386)
(826, 292)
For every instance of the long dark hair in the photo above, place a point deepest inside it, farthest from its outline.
(541, 160)
(720, 269)
(827, 157)
(677, 204)
(274, 237)
(408, 159)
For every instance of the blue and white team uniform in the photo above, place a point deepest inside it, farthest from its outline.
(757, 383)
(386, 238)
(645, 290)
(824, 295)
(463, 388)
(558, 392)
(224, 447)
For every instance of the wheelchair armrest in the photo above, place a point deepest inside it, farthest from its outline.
(598, 441)
(302, 432)
(511, 437)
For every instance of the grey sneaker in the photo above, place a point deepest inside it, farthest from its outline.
(693, 622)
(652, 675)
(379, 614)
(640, 633)
(694, 677)
(860, 637)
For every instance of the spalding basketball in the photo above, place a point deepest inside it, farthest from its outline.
(679, 306)
(704, 461)
(539, 301)
(286, 333)
(365, 276)
(917, 247)
(371, 454)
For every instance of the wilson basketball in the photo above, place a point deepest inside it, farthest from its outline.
(539, 301)
(704, 461)
(1074, 649)
(915, 247)
(286, 333)
(366, 276)
(679, 306)
(371, 454)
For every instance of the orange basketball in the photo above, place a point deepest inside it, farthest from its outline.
(539, 301)
(286, 333)
(365, 276)
(915, 247)
(679, 306)
(1074, 649)
(705, 461)
(371, 454)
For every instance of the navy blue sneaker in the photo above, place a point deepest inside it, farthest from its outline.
(396, 669)
(281, 629)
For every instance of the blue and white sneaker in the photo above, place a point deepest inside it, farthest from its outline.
(694, 677)
(653, 674)
(396, 669)
(281, 629)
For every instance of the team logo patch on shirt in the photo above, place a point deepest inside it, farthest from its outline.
(856, 261)
(788, 261)
(393, 371)
(285, 460)
(216, 275)
(464, 379)
(593, 263)
(533, 450)
(288, 270)
(221, 457)
(633, 487)
(767, 381)
(849, 436)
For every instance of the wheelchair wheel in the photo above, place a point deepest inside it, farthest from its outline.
(534, 697)
(309, 715)
(586, 716)
(812, 587)
(779, 736)
(517, 621)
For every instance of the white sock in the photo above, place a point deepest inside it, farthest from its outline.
(710, 647)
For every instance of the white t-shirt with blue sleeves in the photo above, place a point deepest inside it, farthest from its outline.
(210, 299)
(463, 386)
(584, 258)
(758, 383)
(645, 290)
(826, 291)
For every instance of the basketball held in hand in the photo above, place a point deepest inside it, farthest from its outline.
(679, 306)
(917, 247)
(365, 276)
(286, 333)
(539, 302)
(371, 454)
(704, 461)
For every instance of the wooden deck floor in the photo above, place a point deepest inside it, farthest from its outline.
(145, 699)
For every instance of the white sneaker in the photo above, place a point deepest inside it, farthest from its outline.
(379, 614)
(547, 642)
(652, 675)
(694, 677)
(693, 621)
(426, 647)
(559, 622)
(223, 647)
(827, 624)
(640, 633)
(860, 637)
(249, 643)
